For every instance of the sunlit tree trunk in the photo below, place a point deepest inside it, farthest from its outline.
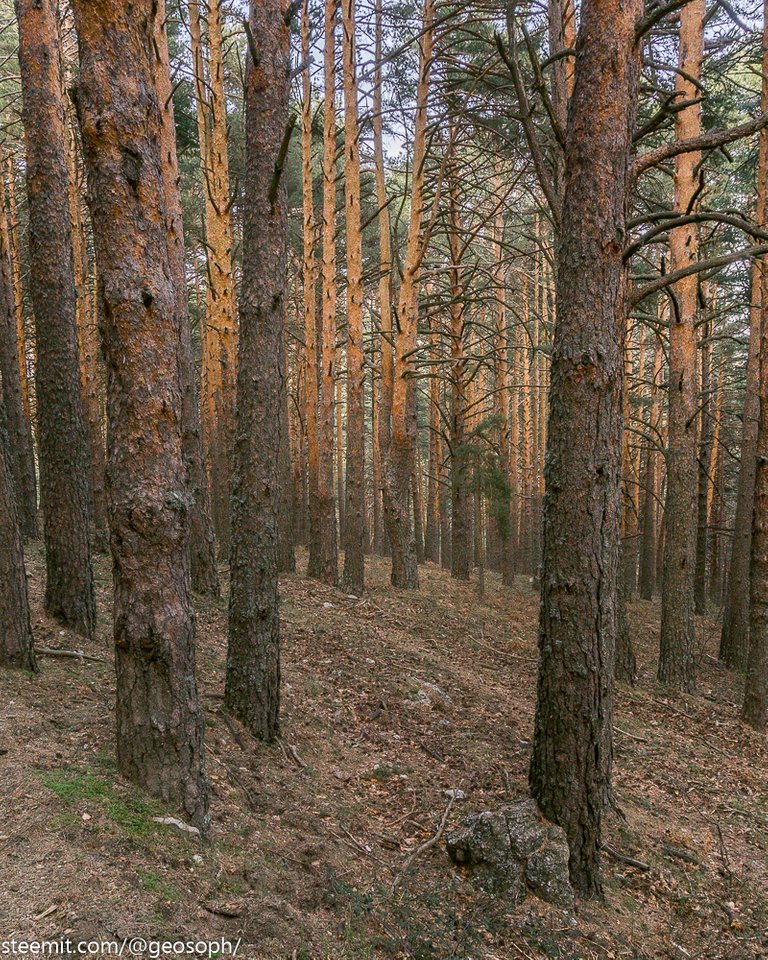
(159, 720)
(677, 650)
(64, 454)
(354, 513)
(14, 252)
(323, 556)
(220, 336)
(401, 449)
(20, 456)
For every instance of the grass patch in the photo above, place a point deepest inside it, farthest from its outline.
(131, 814)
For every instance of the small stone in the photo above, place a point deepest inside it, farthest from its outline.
(454, 793)
(86, 817)
(328, 605)
(196, 858)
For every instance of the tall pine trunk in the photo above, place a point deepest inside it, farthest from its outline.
(323, 551)
(64, 455)
(159, 719)
(570, 773)
(20, 455)
(252, 690)
(677, 650)
(205, 576)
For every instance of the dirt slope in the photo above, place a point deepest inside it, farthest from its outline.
(389, 702)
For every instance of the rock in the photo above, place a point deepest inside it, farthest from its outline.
(513, 851)
(177, 825)
(455, 793)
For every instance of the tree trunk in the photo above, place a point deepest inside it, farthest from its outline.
(205, 576)
(64, 459)
(323, 555)
(570, 773)
(159, 720)
(755, 709)
(386, 327)
(11, 224)
(286, 558)
(704, 466)
(677, 650)
(20, 455)
(16, 643)
(734, 639)
(220, 337)
(252, 690)
(401, 449)
(461, 501)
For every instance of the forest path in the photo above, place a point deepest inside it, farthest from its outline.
(389, 701)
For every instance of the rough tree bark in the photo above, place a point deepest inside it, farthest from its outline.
(570, 773)
(252, 690)
(159, 720)
(64, 454)
(202, 544)
(677, 654)
(16, 642)
(20, 453)
(354, 514)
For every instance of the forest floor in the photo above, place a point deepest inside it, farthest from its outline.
(388, 702)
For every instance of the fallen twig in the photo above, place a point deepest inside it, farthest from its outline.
(427, 845)
(623, 858)
(67, 654)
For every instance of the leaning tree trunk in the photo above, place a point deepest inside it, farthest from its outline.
(64, 455)
(159, 720)
(205, 576)
(252, 690)
(16, 646)
(677, 649)
(355, 532)
(570, 773)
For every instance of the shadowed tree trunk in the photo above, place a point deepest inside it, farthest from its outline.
(734, 639)
(202, 544)
(64, 455)
(159, 720)
(677, 655)
(16, 648)
(252, 690)
(20, 456)
(755, 709)
(570, 773)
